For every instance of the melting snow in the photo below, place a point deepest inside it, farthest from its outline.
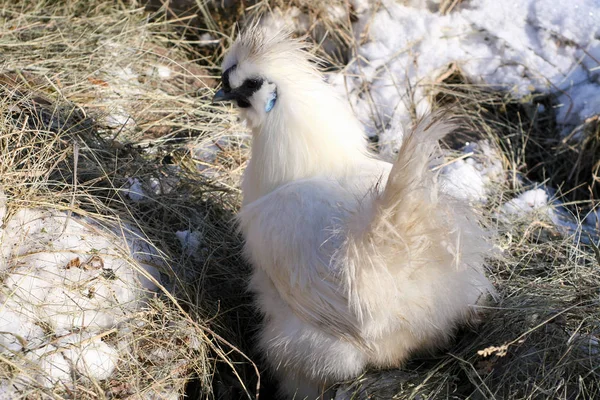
(540, 200)
(469, 177)
(519, 45)
(90, 356)
(464, 181)
(190, 241)
(135, 191)
(526, 202)
(66, 281)
(163, 71)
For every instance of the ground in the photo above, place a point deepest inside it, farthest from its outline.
(121, 273)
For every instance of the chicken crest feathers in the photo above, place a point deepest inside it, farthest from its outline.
(262, 45)
(275, 55)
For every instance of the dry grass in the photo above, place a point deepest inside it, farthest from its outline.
(328, 25)
(84, 108)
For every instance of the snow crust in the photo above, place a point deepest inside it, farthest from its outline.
(470, 177)
(67, 281)
(521, 46)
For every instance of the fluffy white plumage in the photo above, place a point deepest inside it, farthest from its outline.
(357, 263)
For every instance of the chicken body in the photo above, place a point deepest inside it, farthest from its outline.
(357, 262)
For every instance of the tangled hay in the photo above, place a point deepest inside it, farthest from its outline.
(212, 23)
(105, 116)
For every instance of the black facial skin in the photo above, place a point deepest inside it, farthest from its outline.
(245, 91)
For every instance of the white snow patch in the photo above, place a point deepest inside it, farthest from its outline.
(582, 101)
(122, 83)
(164, 71)
(52, 368)
(18, 329)
(360, 6)
(156, 186)
(119, 118)
(526, 202)
(469, 178)
(7, 391)
(66, 281)
(540, 200)
(517, 45)
(190, 241)
(163, 186)
(91, 356)
(135, 191)
(159, 70)
(337, 13)
(463, 181)
(126, 74)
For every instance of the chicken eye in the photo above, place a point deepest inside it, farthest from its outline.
(243, 103)
(253, 84)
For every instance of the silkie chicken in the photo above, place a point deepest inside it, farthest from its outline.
(357, 262)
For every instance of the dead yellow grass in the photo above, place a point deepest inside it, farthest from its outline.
(87, 104)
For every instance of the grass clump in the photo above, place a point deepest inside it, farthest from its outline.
(103, 103)
(99, 99)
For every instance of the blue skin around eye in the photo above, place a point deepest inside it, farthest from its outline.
(271, 102)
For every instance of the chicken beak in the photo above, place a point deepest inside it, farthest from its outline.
(222, 96)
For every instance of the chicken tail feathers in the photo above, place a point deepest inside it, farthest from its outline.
(411, 170)
(411, 195)
(412, 224)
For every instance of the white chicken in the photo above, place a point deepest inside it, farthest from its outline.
(356, 262)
